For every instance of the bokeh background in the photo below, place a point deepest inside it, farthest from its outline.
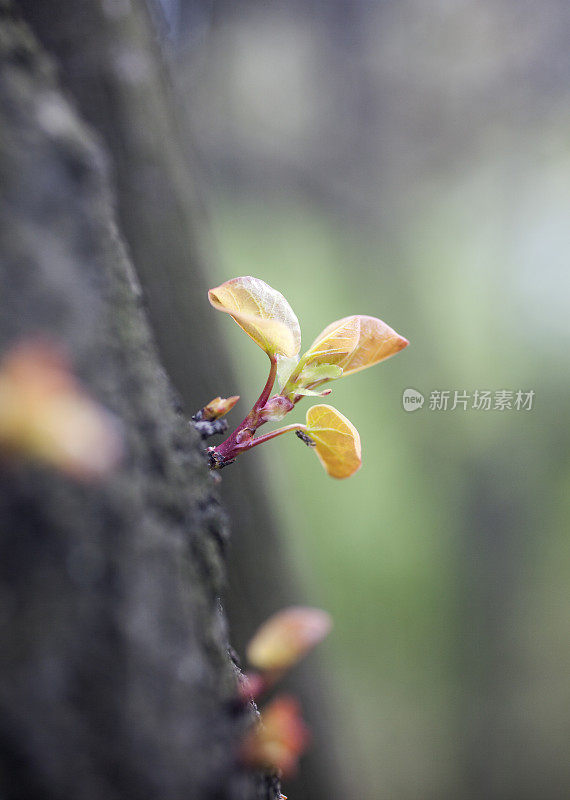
(410, 159)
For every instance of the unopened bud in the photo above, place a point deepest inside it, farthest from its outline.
(218, 407)
(276, 408)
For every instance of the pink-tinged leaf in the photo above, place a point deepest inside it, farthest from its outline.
(286, 637)
(377, 342)
(278, 740)
(45, 415)
(262, 312)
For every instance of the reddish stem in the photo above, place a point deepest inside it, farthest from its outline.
(264, 396)
(296, 426)
(238, 440)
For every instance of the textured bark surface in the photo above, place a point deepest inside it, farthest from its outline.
(115, 679)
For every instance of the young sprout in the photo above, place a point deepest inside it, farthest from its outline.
(345, 346)
(286, 637)
(218, 407)
(45, 415)
(278, 739)
(280, 643)
(208, 421)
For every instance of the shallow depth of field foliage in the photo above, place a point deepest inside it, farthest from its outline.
(443, 561)
(410, 161)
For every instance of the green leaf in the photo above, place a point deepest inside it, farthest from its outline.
(311, 392)
(319, 372)
(285, 367)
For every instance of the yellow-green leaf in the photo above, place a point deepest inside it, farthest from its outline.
(335, 343)
(285, 367)
(301, 390)
(262, 312)
(320, 372)
(286, 637)
(337, 442)
(377, 341)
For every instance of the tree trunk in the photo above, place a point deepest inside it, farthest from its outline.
(115, 679)
(58, 219)
(110, 63)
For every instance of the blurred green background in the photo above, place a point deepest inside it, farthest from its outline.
(411, 160)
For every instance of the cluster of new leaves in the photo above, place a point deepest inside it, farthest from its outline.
(344, 347)
(280, 736)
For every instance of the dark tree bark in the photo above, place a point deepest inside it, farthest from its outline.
(115, 679)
